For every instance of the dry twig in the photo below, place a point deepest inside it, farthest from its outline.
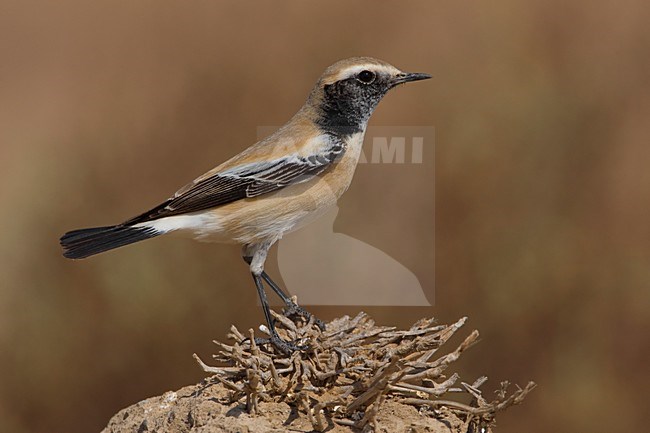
(352, 368)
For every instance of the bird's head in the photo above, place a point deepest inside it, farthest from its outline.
(348, 92)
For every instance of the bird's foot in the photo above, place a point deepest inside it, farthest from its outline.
(286, 347)
(294, 310)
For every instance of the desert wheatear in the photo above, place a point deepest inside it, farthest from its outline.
(272, 187)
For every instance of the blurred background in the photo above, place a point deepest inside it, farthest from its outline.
(541, 113)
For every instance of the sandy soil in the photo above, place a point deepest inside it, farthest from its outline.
(206, 409)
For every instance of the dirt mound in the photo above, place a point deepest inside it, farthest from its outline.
(355, 376)
(207, 408)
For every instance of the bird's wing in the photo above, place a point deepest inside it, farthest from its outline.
(246, 181)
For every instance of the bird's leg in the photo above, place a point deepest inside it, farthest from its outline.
(291, 308)
(256, 261)
(283, 346)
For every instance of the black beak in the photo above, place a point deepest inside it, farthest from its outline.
(406, 77)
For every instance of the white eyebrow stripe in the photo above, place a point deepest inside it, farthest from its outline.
(353, 70)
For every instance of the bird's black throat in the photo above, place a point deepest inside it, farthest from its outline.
(346, 107)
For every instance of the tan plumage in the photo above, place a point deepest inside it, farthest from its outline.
(268, 217)
(277, 184)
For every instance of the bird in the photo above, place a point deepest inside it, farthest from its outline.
(274, 186)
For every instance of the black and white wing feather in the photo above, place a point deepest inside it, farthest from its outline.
(245, 181)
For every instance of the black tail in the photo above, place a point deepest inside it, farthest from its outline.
(78, 244)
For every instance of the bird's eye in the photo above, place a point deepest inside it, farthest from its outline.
(366, 77)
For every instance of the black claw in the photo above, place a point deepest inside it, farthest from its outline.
(294, 310)
(285, 347)
(320, 324)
